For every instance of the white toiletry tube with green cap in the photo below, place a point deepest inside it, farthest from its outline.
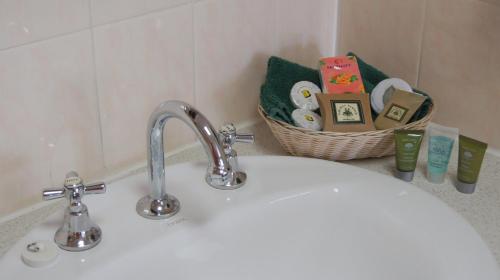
(440, 145)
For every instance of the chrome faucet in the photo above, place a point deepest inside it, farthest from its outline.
(227, 137)
(220, 174)
(78, 232)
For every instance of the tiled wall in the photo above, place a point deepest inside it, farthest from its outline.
(448, 48)
(78, 79)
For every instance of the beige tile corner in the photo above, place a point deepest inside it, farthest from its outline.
(460, 65)
(385, 33)
(48, 117)
(140, 63)
(233, 40)
(305, 30)
(24, 21)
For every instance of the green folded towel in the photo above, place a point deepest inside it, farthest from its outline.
(282, 75)
(280, 78)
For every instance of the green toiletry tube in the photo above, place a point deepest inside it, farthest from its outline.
(440, 144)
(470, 157)
(407, 149)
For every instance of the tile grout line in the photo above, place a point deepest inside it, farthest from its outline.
(48, 38)
(91, 26)
(336, 28)
(139, 15)
(193, 61)
(422, 35)
(339, 27)
(96, 89)
(276, 42)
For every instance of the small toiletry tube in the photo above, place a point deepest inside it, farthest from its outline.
(407, 149)
(470, 157)
(440, 145)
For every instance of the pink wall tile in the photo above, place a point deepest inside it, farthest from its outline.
(460, 66)
(305, 30)
(141, 63)
(386, 33)
(104, 11)
(233, 40)
(48, 118)
(23, 21)
(210, 53)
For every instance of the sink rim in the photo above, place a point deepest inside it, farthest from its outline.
(248, 159)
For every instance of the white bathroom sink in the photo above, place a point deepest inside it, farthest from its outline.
(295, 218)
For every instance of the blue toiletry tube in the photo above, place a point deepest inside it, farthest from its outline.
(440, 145)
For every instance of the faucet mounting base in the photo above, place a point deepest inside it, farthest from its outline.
(237, 180)
(157, 209)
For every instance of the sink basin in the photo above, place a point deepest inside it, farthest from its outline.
(295, 218)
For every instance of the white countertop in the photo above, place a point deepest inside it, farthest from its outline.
(481, 209)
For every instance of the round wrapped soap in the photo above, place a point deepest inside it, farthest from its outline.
(307, 119)
(303, 95)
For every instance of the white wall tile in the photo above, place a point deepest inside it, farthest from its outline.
(234, 39)
(48, 117)
(23, 21)
(104, 11)
(305, 30)
(141, 63)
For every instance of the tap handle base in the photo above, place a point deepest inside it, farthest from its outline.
(234, 180)
(86, 236)
(158, 209)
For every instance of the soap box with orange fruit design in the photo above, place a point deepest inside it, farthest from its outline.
(340, 74)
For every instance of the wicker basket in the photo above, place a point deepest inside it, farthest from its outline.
(336, 145)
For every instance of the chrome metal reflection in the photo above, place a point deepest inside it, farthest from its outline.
(78, 232)
(220, 174)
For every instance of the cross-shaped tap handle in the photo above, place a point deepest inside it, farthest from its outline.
(73, 188)
(228, 135)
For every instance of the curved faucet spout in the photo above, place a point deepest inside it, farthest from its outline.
(159, 204)
(217, 165)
